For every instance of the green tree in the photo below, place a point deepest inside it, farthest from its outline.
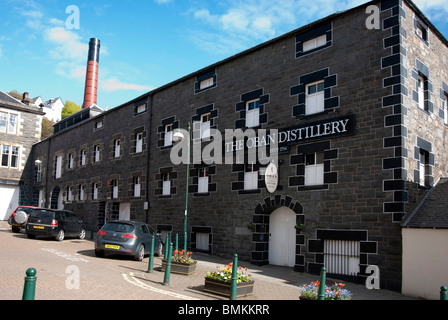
(69, 109)
(47, 128)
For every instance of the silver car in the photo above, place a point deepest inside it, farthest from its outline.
(130, 238)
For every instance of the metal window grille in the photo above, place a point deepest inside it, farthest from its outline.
(341, 257)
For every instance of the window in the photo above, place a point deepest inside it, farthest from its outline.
(96, 153)
(424, 159)
(168, 134)
(421, 31)
(445, 108)
(315, 98)
(206, 83)
(82, 161)
(81, 192)
(69, 193)
(114, 189)
(15, 157)
(315, 43)
(203, 180)
(205, 125)
(95, 191)
(140, 108)
(139, 142)
(116, 148)
(39, 172)
(8, 122)
(253, 113)
(251, 177)
(314, 169)
(5, 156)
(137, 186)
(70, 161)
(98, 124)
(57, 167)
(422, 86)
(342, 257)
(166, 184)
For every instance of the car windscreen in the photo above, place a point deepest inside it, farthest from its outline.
(119, 227)
(43, 214)
(27, 210)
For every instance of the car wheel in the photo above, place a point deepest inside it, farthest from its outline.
(159, 250)
(16, 229)
(61, 235)
(82, 234)
(140, 253)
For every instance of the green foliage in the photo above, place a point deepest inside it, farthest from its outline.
(47, 128)
(69, 109)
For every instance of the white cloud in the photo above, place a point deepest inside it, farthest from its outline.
(113, 84)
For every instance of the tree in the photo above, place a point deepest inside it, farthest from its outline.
(69, 109)
(47, 128)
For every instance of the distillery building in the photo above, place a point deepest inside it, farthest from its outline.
(357, 102)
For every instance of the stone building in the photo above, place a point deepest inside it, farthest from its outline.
(20, 129)
(359, 100)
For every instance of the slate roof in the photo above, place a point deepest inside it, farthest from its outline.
(432, 212)
(10, 102)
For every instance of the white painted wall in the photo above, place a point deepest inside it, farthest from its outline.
(9, 200)
(425, 262)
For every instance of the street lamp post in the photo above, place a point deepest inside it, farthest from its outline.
(177, 137)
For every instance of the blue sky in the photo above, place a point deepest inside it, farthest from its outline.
(144, 43)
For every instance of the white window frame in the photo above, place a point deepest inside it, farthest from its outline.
(81, 192)
(253, 113)
(58, 165)
(251, 177)
(205, 125)
(96, 153)
(9, 122)
(445, 108)
(6, 151)
(314, 169)
(203, 180)
(39, 172)
(137, 186)
(141, 108)
(114, 189)
(69, 194)
(166, 184)
(206, 83)
(70, 161)
(139, 142)
(421, 83)
(117, 148)
(83, 158)
(14, 161)
(314, 43)
(422, 167)
(315, 101)
(168, 139)
(95, 191)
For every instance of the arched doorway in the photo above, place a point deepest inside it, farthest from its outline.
(282, 237)
(56, 199)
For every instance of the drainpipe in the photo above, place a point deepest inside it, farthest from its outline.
(148, 156)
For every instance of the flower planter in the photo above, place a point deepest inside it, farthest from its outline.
(180, 268)
(223, 288)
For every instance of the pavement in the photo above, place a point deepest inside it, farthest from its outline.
(271, 282)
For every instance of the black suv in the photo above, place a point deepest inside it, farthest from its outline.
(54, 223)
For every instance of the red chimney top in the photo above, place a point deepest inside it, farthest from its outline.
(91, 87)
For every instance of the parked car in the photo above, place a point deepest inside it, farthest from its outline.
(130, 238)
(19, 217)
(54, 223)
